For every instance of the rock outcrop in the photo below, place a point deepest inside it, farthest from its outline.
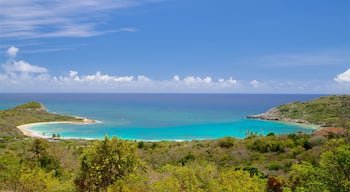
(274, 114)
(271, 115)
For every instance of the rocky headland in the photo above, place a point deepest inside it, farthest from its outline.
(273, 114)
(327, 111)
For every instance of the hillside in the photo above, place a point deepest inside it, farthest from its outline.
(31, 112)
(293, 162)
(328, 111)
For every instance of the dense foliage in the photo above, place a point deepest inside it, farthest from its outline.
(106, 162)
(299, 163)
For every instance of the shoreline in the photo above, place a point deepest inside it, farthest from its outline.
(272, 116)
(302, 125)
(25, 128)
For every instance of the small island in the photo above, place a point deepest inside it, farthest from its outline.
(14, 122)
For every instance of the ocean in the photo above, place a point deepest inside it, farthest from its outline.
(160, 116)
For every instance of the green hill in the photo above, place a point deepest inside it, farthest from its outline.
(31, 112)
(325, 111)
(293, 162)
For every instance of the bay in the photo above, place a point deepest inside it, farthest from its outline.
(160, 116)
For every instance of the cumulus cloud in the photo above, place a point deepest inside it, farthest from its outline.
(12, 51)
(197, 80)
(255, 83)
(176, 78)
(26, 77)
(21, 76)
(143, 78)
(226, 83)
(73, 73)
(97, 77)
(21, 66)
(231, 81)
(343, 77)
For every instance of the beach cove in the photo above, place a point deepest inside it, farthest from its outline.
(30, 133)
(161, 116)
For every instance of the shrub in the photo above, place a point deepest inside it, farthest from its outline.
(274, 166)
(227, 142)
(317, 140)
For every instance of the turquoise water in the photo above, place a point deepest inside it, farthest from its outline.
(160, 116)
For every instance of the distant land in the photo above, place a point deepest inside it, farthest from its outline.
(32, 112)
(327, 111)
(288, 162)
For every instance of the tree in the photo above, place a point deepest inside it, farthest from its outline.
(42, 156)
(106, 162)
(38, 180)
(10, 169)
(336, 163)
(307, 177)
(332, 174)
(205, 177)
(239, 181)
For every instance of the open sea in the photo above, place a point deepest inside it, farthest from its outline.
(160, 116)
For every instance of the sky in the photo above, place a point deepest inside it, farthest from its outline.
(175, 46)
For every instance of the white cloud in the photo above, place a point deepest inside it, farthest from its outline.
(97, 77)
(73, 73)
(343, 77)
(100, 82)
(176, 78)
(207, 80)
(13, 66)
(197, 80)
(143, 78)
(255, 83)
(232, 81)
(23, 67)
(190, 79)
(21, 76)
(70, 18)
(12, 51)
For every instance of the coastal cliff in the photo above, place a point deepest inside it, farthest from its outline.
(324, 111)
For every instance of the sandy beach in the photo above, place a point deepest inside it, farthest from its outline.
(303, 125)
(25, 128)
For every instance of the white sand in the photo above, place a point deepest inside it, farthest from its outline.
(25, 128)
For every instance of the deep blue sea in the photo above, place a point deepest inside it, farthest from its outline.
(160, 116)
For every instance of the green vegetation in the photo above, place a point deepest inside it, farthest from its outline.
(251, 164)
(105, 163)
(295, 162)
(31, 112)
(325, 111)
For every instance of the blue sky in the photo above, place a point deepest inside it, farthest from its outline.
(226, 46)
